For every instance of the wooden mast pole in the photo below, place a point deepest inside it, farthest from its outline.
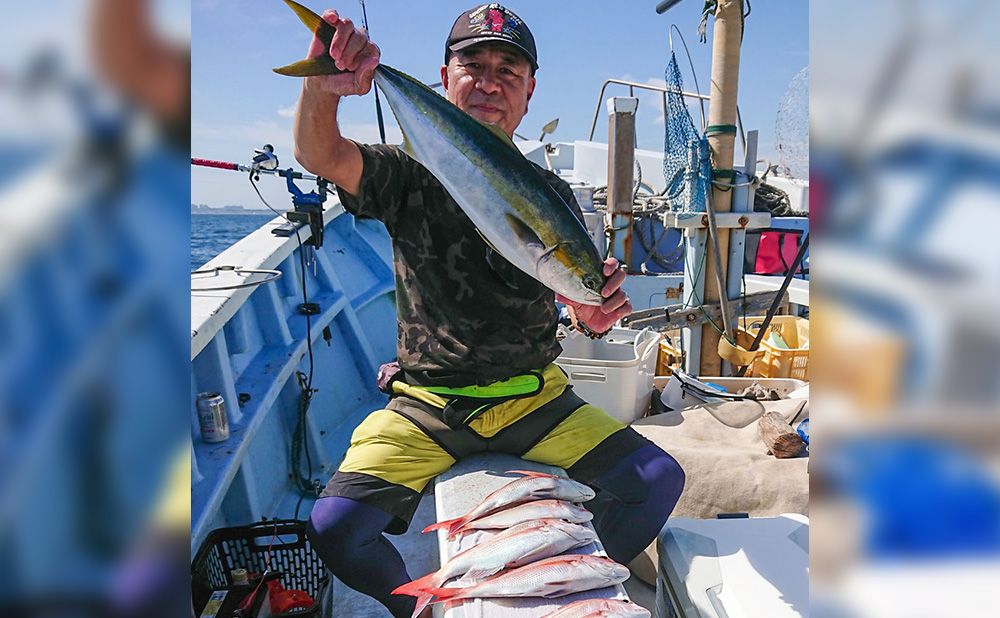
(727, 35)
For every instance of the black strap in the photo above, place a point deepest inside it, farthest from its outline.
(458, 443)
(515, 439)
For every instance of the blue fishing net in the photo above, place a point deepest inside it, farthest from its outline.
(686, 166)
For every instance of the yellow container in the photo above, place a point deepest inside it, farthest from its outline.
(668, 359)
(778, 362)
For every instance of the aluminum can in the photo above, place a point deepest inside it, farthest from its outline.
(212, 417)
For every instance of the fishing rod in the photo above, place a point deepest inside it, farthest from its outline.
(378, 101)
(261, 165)
(307, 208)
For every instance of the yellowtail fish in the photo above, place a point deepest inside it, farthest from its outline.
(538, 509)
(549, 578)
(520, 545)
(534, 486)
(515, 210)
(600, 608)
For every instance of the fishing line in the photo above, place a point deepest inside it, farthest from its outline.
(299, 441)
(378, 101)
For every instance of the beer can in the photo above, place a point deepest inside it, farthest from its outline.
(212, 417)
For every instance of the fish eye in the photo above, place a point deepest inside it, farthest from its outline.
(592, 283)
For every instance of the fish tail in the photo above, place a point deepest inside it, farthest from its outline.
(314, 22)
(455, 531)
(532, 473)
(446, 594)
(423, 600)
(451, 525)
(417, 587)
(324, 65)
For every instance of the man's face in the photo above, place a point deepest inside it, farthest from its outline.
(491, 83)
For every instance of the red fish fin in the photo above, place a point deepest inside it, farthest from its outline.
(417, 587)
(532, 473)
(445, 594)
(423, 600)
(462, 529)
(449, 524)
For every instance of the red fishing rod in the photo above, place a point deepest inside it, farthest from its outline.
(307, 207)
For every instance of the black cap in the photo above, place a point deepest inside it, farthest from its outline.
(491, 23)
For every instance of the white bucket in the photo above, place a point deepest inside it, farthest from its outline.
(614, 373)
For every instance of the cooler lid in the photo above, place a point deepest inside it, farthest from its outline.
(738, 568)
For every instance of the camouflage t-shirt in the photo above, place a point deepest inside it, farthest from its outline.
(465, 314)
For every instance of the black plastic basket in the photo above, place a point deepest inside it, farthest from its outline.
(248, 547)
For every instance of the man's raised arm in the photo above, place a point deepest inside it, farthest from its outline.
(319, 146)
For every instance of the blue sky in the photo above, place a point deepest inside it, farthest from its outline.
(239, 104)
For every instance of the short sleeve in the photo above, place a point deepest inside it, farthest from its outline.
(383, 187)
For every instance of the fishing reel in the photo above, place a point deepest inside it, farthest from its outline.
(264, 159)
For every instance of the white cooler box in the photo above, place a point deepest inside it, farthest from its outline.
(733, 568)
(615, 373)
(683, 390)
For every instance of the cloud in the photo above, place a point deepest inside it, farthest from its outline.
(287, 111)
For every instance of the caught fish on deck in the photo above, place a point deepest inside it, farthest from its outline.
(549, 578)
(534, 486)
(537, 509)
(600, 608)
(515, 210)
(520, 545)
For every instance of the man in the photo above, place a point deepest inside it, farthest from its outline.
(476, 335)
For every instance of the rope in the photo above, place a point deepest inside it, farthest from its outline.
(300, 445)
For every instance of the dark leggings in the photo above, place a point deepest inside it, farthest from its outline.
(634, 499)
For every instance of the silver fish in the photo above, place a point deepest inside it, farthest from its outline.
(535, 486)
(538, 509)
(549, 578)
(600, 608)
(518, 546)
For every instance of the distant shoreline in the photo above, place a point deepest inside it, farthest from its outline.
(237, 214)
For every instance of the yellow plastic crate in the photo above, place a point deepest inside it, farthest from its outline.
(668, 359)
(777, 362)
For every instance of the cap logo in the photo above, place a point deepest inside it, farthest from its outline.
(494, 19)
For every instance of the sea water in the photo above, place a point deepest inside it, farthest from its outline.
(213, 234)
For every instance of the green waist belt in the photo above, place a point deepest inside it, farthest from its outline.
(460, 405)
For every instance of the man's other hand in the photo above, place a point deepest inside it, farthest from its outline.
(615, 306)
(352, 51)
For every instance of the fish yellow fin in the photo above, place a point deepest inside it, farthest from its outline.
(314, 22)
(324, 65)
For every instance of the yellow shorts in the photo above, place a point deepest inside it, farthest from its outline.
(393, 455)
